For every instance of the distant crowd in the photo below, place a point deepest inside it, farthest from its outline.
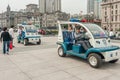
(111, 33)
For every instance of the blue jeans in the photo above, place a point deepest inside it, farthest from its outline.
(5, 46)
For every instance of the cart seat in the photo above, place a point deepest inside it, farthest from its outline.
(68, 38)
(78, 48)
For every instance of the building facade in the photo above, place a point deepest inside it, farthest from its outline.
(7, 18)
(90, 6)
(57, 5)
(49, 6)
(51, 12)
(42, 6)
(3, 21)
(50, 19)
(97, 9)
(32, 8)
(30, 14)
(111, 14)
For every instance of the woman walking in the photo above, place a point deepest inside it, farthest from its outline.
(6, 38)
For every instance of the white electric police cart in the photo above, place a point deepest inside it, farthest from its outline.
(28, 34)
(101, 50)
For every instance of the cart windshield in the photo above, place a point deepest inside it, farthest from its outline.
(96, 31)
(30, 28)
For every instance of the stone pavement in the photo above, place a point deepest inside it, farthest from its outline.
(41, 62)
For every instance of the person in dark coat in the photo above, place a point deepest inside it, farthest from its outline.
(6, 38)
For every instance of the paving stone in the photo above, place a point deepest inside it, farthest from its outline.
(60, 75)
(13, 74)
(111, 77)
(94, 75)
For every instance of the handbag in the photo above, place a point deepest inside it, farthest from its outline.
(10, 45)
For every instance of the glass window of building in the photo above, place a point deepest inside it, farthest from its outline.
(115, 18)
(112, 7)
(116, 6)
(111, 18)
(112, 12)
(116, 11)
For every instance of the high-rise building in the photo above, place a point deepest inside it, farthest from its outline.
(57, 5)
(90, 6)
(42, 6)
(49, 6)
(97, 9)
(94, 6)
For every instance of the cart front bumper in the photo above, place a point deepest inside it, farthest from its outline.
(111, 55)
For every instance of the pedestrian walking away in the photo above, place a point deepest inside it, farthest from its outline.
(5, 38)
(11, 32)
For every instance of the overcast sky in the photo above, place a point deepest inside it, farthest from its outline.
(69, 6)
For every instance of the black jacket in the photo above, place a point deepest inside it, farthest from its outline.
(6, 36)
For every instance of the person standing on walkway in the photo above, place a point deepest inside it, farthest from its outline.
(111, 34)
(6, 38)
(106, 31)
(11, 32)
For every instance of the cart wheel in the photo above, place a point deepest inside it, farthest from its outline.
(25, 42)
(113, 61)
(18, 41)
(60, 52)
(95, 60)
(39, 41)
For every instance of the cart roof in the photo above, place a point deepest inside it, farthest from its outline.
(67, 22)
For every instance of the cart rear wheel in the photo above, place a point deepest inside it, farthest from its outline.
(39, 42)
(61, 52)
(113, 61)
(94, 60)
